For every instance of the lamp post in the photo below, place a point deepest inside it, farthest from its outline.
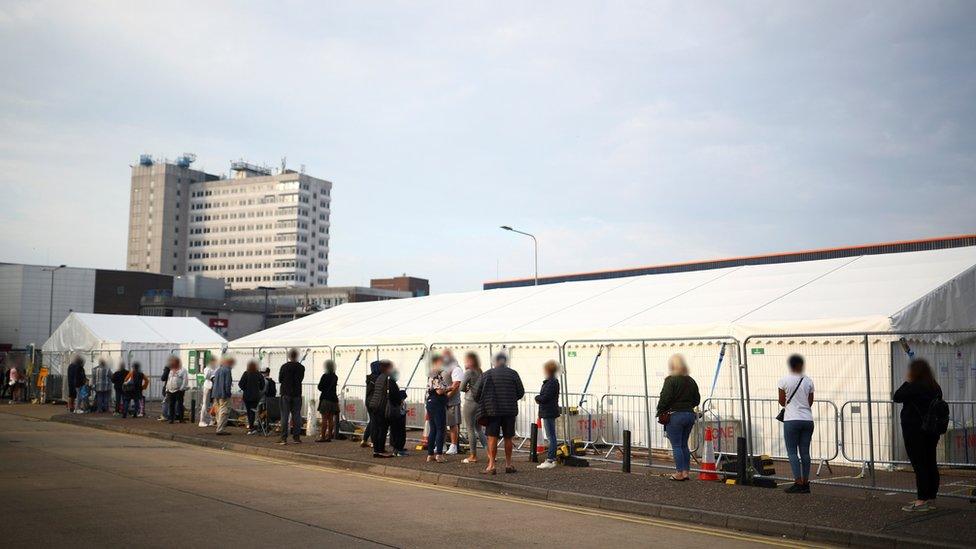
(266, 290)
(50, 310)
(535, 244)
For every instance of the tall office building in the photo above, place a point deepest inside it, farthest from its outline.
(256, 228)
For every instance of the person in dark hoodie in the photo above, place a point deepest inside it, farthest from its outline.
(548, 401)
(118, 378)
(290, 378)
(398, 423)
(252, 387)
(374, 371)
(329, 402)
(916, 395)
(76, 378)
(379, 407)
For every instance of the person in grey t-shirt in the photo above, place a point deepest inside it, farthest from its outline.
(454, 376)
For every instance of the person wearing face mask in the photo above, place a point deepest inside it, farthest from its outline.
(398, 421)
(328, 402)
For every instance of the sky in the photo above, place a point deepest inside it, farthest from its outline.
(619, 133)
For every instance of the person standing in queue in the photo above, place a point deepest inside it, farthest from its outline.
(469, 409)
(76, 378)
(222, 392)
(374, 372)
(118, 378)
(548, 401)
(379, 407)
(102, 381)
(329, 402)
(398, 421)
(175, 387)
(436, 407)
(919, 396)
(498, 392)
(135, 383)
(252, 389)
(206, 419)
(290, 378)
(454, 375)
(796, 398)
(676, 410)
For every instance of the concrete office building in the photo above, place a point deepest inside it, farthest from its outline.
(256, 228)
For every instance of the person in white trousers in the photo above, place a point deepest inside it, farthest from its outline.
(206, 420)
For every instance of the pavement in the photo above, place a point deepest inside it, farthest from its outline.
(842, 517)
(70, 485)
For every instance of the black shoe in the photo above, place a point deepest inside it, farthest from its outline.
(805, 489)
(796, 489)
(282, 442)
(296, 440)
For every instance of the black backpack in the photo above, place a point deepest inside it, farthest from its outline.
(380, 395)
(935, 420)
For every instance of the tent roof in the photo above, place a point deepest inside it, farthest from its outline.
(863, 293)
(87, 331)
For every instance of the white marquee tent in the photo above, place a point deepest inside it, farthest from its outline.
(146, 339)
(690, 313)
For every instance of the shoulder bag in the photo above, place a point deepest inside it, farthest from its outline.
(782, 411)
(664, 417)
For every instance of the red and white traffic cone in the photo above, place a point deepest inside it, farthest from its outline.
(539, 448)
(708, 458)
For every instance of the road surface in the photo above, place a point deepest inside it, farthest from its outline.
(71, 486)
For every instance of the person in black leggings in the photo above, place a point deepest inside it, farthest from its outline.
(916, 394)
(252, 387)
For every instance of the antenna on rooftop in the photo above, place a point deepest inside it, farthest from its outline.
(284, 163)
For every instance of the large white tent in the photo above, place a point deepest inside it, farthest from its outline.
(587, 324)
(148, 340)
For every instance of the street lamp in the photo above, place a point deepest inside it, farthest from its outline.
(266, 290)
(50, 310)
(535, 243)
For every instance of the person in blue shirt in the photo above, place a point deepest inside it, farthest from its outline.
(222, 392)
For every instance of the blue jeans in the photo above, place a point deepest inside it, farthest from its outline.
(437, 412)
(549, 424)
(678, 430)
(101, 400)
(797, 434)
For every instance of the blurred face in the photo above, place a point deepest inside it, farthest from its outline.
(500, 361)
(550, 369)
(227, 362)
(330, 366)
(448, 355)
(437, 365)
(468, 362)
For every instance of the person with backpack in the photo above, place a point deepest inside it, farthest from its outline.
(252, 389)
(135, 383)
(924, 418)
(796, 398)
(380, 409)
(676, 411)
(290, 377)
(436, 406)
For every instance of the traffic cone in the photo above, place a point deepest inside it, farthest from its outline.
(539, 448)
(708, 459)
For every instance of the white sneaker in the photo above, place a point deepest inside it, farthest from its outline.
(546, 465)
(451, 451)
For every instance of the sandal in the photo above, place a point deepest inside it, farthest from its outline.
(488, 472)
(469, 460)
(510, 470)
(677, 479)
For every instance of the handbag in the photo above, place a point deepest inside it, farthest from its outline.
(782, 412)
(664, 417)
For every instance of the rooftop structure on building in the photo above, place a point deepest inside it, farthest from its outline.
(258, 227)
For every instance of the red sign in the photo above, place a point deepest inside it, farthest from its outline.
(219, 323)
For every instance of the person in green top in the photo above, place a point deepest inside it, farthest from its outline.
(679, 398)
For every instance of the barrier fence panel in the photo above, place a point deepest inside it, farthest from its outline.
(854, 377)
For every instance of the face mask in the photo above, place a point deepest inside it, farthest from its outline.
(395, 375)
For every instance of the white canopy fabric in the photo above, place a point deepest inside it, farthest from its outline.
(86, 332)
(890, 292)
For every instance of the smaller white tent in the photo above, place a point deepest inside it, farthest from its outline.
(148, 340)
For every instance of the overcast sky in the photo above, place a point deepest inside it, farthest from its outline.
(622, 134)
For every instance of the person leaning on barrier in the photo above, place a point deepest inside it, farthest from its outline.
(469, 409)
(921, 399)
(328, 402)
(221, 393)
(796, 398)
(252, 389)
(676, 411)
(548, 401)
(498, 393)
(290, 377)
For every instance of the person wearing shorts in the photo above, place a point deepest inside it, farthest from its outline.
(498, 393)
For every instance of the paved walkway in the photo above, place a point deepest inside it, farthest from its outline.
(78, 487)
(845, 514)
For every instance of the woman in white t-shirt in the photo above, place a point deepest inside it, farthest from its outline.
(796, 398)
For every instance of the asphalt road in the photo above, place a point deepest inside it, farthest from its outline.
(71, 486)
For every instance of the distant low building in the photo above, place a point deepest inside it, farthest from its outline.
(418, 287)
